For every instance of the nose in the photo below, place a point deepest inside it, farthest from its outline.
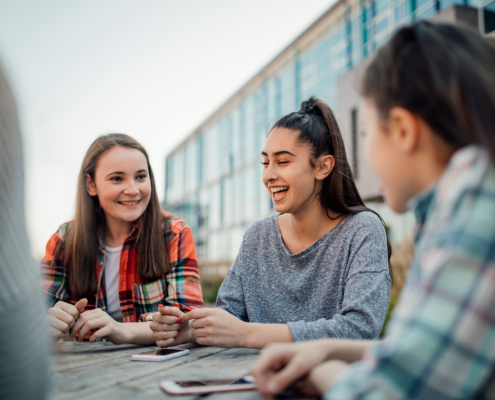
(269, 173)
(131, 189)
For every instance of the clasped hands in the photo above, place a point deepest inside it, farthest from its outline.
(205, 326)
(65, 317)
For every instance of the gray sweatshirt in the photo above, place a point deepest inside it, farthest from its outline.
(337, 287)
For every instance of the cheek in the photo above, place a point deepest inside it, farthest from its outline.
(390, 172)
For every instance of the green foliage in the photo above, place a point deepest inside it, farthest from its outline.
(393, 302)
(210, 291)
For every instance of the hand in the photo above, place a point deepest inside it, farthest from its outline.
(167, 329)
(282, 365)
(217, 327)
(101, 325)
(62, 317)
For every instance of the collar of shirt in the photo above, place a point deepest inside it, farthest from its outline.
(130, 236)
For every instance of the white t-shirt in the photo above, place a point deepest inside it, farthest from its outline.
(112, 262)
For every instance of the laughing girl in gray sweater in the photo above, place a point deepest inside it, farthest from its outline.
(318, 268)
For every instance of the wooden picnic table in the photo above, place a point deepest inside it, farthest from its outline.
(103, 370)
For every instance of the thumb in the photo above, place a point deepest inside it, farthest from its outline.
(81, 305)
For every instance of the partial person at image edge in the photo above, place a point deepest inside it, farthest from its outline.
(24, 345)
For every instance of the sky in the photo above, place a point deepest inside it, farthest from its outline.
(153, 69)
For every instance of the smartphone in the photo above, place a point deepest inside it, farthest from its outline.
(160, 355)
(200, 387)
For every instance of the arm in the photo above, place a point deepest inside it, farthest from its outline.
(183, 282)
(184, 288)
(231, 293)
(282, 365)
(438, 337)
(366, 294)
(54, 279)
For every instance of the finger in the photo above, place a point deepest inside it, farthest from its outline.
(68, 308)
(165, 319)
(165, 343)
(62, 316)
(58, 325)
(164, 335)
(83, 319)
(88, 326)
(195, 314)
(157, 327)
(294, 371)
(200, 323)
(100, 333)
(81, 305)
(172, 311)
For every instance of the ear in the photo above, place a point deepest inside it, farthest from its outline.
(90, 186)
(324, 166)
(404, 128)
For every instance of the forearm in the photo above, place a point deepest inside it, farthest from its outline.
(138, 333)
(323, 375)
(258, 335)
(346, 350)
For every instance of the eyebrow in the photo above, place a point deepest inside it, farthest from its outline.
(123, 173)
(279, 153)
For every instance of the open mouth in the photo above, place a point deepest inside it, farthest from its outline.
(129, 203)
(279, 192)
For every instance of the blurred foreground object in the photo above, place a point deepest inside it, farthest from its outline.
(23, 335)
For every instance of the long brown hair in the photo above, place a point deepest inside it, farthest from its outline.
(319, 129)
(80, 244)
(443, 73)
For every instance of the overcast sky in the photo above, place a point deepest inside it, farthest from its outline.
(153, 69)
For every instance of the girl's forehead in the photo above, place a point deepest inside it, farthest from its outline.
(280, 139)
(123, 159)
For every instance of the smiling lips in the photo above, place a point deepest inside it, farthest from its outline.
(129, 203)
(279, 192)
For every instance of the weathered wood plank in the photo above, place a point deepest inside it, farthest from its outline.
(96, 376)
(104, 371)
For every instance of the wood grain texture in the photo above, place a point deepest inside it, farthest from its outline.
(105, 371)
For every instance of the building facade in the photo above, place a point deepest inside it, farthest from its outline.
(213, 178)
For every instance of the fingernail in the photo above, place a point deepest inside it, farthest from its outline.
(272, 387)
(177, 320)
(161, 305)
(182, 325)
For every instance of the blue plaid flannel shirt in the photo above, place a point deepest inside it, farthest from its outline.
(440, 342)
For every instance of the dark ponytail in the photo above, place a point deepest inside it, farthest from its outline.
(443, 73)
(319, 130)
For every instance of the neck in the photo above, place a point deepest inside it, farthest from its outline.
(312, 223)
(432, 162)
(116, 232)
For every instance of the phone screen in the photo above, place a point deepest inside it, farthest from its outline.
(242, 381)
(161, 352)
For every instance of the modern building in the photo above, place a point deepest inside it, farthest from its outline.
(213, 178)
(487, 16)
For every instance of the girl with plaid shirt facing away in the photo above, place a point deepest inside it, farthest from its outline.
(121, 257)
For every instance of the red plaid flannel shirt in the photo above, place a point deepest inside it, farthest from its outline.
(180, 287)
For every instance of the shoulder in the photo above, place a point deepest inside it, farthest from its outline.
(365, 222)
(176, 225)
(62, 231)
(262, 228)
(470, 176)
